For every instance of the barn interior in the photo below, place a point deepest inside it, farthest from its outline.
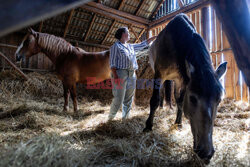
(34, 131)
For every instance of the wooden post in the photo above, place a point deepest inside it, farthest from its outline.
(205, 25)
(14, 66)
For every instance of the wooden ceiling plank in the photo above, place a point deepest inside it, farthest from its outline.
(109, 31)
(122, 14)
(68, 23)
(156, 9)
(121, 4)
(181, 4)
(90, 27)
(192, 7)
(139, 7)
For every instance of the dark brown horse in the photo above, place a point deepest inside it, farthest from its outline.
(73, 65)
(180, 54)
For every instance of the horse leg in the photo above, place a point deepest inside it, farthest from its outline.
(154, 103)
(179, 95)
(162, 92)
(168, 92)
(73, 96)
(66, 97)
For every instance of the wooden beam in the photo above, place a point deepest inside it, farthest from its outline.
(14, 66)
(139, 7)
(181, 4)
(109, 31)
(8, 46)
(121, 4)
(68, 23)
(194, 6)
(140, 35)
(16, 14)
(205, 25)
(132, 30)
(40, 27)
(156, 9)
(107, 11)
(90, 27)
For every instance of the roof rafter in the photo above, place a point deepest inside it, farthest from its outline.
(156, 9)
(116, 14)
(109, 31)
(139, 7)
(121, 4)
(140, 35)
(40, 26)
(132, 30)
(68, 22)
(90, 27)
(185, 9)
(180, 3)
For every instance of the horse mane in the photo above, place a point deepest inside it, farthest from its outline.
(54, 44)
(204, 71)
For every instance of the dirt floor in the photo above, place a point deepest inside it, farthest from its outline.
(35, 132)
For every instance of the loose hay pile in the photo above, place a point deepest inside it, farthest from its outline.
(35, 132)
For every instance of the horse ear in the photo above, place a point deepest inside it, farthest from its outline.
(221, 70)
(30, 30)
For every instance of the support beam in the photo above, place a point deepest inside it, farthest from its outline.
(139, 7)
(205, 29)
(194, 6)
(156, 9)
(14, 66)
(40, 27)
(90, 27)
(140, 35)
(132, 30)
(68, 23)
(109, 31)
(121, 4)
(180, 3)
(116, 14)
(16, 14)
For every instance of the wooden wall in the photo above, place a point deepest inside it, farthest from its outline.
(208, 25)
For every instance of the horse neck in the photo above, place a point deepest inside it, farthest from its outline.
(52, 56)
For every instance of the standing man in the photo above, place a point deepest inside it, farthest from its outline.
(123, 64)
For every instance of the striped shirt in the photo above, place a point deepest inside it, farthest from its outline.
(124, 56)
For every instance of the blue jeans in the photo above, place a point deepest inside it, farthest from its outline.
(123, 92)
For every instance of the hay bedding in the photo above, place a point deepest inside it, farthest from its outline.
(35, 132)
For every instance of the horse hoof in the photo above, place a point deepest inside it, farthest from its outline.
(179, 126)
(65, 111)
(147, 129)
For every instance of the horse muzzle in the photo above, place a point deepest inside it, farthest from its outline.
(19, 57)
(205, 155)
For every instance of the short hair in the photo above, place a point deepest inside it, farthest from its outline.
(120, 31)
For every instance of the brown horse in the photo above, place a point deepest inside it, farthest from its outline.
(180, 54)
(73, 65)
